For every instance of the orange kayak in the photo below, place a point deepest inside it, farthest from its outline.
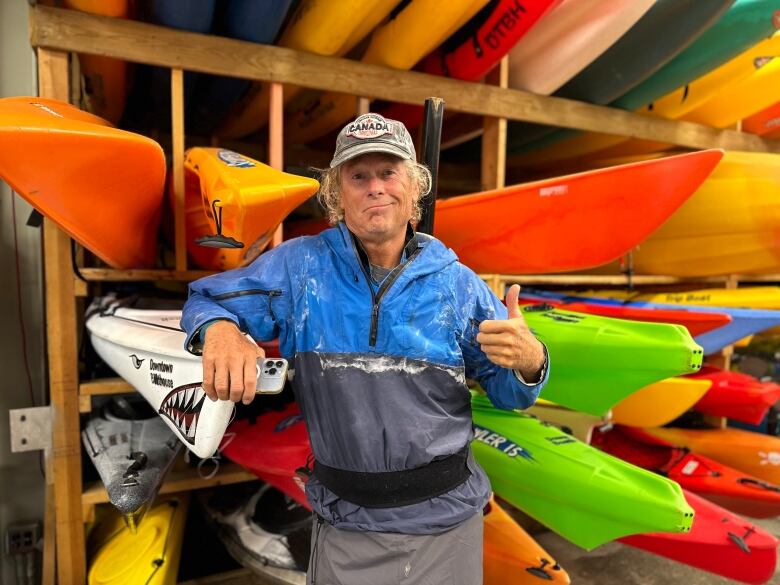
(511, 556)
(105, 78)
(765, 123)
(251, 197)
(103, 186)
(752, 453)
(569, 223)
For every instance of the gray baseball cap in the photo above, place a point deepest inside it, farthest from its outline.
(373, 133)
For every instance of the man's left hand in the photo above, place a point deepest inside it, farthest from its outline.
(509, 342)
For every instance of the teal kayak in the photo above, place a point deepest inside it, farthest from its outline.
(586, 496)
(595, 362)
(746, 23)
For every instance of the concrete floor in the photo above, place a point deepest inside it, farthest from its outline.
(617, 564)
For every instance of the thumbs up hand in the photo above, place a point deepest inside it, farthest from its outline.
(509, 343)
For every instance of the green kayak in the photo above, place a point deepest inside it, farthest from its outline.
(583, 494)
(595, 362)
(746, 23)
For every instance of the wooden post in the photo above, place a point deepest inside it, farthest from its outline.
(276, 140)
(494, 136)
(177, 137)
(363, 106)
(63, 365)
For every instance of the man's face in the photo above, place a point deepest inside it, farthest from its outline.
(376, 195)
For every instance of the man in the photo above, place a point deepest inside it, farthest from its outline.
(384, 326)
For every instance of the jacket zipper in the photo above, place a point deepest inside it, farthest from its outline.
(376, 298)
(243, 293)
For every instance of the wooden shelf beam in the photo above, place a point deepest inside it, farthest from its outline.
(104, 386)
(178, 481)
(113, 275)
(69, 30)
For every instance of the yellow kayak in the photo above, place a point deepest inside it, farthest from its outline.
(728, 226)
(322, 27)
(150, 556)
(418, 29)
(577, 424)
(660, 403)
(753, 453)
(734, 78)
(252, 197)
(749, 297)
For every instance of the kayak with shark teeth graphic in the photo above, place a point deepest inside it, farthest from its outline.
(146, 348)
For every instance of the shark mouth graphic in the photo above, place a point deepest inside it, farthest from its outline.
(182, 407)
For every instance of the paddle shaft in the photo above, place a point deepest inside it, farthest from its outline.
(433, 116)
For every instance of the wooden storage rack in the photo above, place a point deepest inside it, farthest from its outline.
(55, 33)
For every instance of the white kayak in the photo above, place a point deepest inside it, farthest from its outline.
(146, 348)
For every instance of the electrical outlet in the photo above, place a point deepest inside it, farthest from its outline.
(21, 538)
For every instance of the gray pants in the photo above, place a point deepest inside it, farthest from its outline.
(343, 557)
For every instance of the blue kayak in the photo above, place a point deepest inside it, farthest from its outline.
(256, 21)
(745, 322)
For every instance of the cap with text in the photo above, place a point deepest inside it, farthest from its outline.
(373, 133)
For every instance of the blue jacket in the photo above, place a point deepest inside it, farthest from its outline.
(380, 372)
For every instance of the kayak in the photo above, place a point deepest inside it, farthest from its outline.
(409, 35)
(739, 492)
(765, 123)
(753, 453)
(105, 79)
(745, 322)
(736, 396)
(660, 403)
(571, 422)
(92, 171)
(133, 451)
(598, 361)
(476, 48)
(604, 498)
(245, 20)
(657, 37)
(146, 348)
(569, 223)
(726, 44)
(511, 557)
(262, 529)
(251, 200)
(567, 39)
(695, 323)
(719, 542)
(748, 297)
(319, 27)
(150, 556)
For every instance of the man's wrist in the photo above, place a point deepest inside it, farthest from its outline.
(535, 377)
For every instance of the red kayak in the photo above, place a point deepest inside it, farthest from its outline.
(723, 485)
(735, 395)
(276, 444)
(566, 223)
(719, 542)
(696, 323)
(476, 48)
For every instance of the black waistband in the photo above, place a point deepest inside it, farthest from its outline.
(389, 489)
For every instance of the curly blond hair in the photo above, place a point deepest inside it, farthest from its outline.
(329, 194)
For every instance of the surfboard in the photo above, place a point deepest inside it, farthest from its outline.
(101, 185)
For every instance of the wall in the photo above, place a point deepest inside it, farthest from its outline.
(21, 481)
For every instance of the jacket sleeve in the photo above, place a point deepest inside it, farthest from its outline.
(503, 386)
(252, 297)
